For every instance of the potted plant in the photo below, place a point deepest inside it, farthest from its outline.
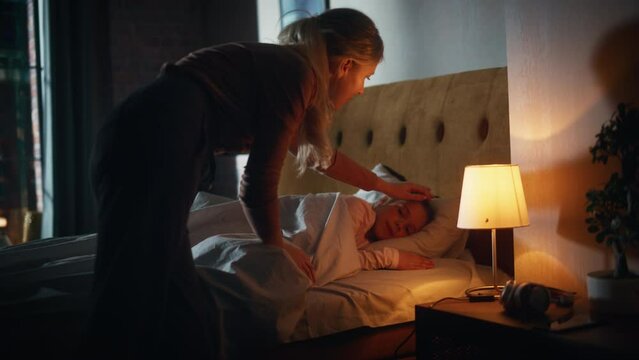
(613, 212)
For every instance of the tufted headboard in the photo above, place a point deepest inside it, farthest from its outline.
(427, 129)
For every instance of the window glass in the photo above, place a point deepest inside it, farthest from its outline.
(20, 157)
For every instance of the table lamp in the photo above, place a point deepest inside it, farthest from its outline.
(492, 198)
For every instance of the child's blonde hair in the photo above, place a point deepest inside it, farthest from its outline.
(334, 33)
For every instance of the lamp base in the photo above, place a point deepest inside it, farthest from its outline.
(486, 293)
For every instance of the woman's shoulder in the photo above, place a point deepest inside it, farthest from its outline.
(260, 49)
(285, 65)
(286, 56)
(255, 50)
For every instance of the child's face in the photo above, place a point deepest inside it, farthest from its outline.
(398, 219)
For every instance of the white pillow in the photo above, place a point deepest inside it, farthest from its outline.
(385, 173)
(204, 199)
(440, 238)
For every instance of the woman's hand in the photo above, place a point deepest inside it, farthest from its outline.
(411, 261)
(405, 191)
(301, 260)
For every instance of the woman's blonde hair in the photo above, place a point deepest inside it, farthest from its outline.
(334, 33)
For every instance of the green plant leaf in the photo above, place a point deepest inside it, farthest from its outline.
(612, 210)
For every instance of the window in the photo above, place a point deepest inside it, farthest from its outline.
(292, 10)
(273, 15)
(20, 143)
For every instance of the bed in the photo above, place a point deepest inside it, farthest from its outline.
(425, 130)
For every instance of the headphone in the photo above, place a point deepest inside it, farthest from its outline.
(528, 300)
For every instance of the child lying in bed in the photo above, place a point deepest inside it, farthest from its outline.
(368, 223)
(392, 219)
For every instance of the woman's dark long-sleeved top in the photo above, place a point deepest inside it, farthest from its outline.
(147, 162)
(261, 93)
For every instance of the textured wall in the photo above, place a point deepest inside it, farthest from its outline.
(569, 63)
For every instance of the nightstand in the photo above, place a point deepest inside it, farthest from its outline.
(459, 329)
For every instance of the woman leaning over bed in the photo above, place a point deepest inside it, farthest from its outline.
(151, 155)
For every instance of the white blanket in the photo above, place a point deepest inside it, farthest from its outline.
(259, 290)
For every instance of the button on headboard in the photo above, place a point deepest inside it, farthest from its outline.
(426, 129)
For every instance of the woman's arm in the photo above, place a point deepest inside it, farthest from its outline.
(348, 171)
(258, 192)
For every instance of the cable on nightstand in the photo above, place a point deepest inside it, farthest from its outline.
(461, 298)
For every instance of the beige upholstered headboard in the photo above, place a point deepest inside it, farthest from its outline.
(427, 129)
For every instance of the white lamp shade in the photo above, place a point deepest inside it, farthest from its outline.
(492, 198)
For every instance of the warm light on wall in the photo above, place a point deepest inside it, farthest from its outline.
(492, 198)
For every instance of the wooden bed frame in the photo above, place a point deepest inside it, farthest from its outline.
(427, 130)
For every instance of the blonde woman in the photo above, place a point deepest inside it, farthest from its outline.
(150, 157)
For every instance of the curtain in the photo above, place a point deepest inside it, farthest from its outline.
(80, 99)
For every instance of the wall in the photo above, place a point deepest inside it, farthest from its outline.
(268, 20)
(422, 38)
(569, 63)
(425, 38)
